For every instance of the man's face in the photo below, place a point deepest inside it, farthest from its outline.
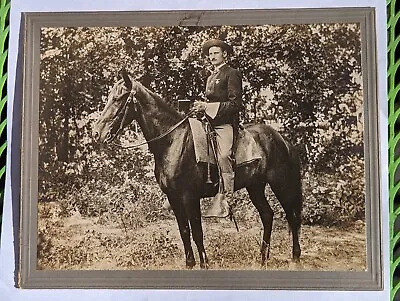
(216, 55)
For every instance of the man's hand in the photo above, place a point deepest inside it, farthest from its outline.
(199, 106)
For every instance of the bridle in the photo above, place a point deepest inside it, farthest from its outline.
(125, 107)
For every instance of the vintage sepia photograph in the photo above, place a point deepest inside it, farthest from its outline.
(234, 147)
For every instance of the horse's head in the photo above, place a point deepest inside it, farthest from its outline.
(119, 110)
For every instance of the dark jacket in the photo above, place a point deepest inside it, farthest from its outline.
(225, 86)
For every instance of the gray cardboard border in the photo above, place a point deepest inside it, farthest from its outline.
(30, 277)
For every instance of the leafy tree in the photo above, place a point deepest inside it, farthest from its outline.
(303, 79)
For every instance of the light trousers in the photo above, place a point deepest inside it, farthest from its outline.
(224, 147)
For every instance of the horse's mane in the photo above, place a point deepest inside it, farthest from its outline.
(171, 113)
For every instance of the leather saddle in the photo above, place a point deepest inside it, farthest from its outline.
(247, 150)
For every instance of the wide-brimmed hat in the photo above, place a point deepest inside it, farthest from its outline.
(216, 42)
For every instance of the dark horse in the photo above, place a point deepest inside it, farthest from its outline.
(183, 180)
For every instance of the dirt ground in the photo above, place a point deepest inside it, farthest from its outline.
(81, 243)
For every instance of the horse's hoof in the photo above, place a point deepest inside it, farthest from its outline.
(296, 259)
(190, 264)
(296, 256)
(296, 253)
(204, 265)
(295, 265)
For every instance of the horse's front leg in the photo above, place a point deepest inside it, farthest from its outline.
(193, 212)
(184, 230)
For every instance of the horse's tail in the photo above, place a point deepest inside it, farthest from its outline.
(297, 186)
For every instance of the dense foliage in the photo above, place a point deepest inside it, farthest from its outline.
(305, 80)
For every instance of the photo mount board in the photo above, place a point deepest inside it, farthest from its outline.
(30, 277)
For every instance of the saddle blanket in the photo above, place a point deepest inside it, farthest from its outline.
(247, 149)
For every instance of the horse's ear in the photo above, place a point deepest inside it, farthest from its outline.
(126, 78)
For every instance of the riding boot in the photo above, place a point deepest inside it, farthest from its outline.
(222, 202)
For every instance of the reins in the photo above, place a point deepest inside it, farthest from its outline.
(132, 97)
(157, 137)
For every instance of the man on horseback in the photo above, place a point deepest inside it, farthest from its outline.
(278, 163)
(224, 102)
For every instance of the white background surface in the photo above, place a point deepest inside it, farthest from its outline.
(10, 293)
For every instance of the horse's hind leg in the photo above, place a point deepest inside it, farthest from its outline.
(257, 196)
(290, 199)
